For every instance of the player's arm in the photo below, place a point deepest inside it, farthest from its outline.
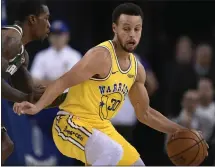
(145, 114)
(91, 64)
(22, 79)
(11, 93)
(11, 46)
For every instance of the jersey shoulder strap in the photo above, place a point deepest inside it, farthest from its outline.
(14, 27)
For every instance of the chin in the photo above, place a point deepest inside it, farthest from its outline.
(129, 50)
(43, 38)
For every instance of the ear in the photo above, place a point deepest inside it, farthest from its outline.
(32, 19)
(114, 28)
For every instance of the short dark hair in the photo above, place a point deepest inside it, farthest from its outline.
(128, 9)
(29, 7)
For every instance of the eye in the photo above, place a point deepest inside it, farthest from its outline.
(137, 29)
(47, 17)
(126, 28)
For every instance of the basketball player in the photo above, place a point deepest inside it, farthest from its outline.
(98, 86)
(32, 24)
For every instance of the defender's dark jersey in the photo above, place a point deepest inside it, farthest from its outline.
(16, 62)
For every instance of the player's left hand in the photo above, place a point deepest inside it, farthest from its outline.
(37, 92)
(25, 108)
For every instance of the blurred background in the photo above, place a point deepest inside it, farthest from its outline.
(176, 49)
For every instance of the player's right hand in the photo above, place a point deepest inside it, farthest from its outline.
(25, 108)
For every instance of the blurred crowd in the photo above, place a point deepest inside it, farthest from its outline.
(190, 94)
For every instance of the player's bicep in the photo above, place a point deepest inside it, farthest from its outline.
(138, 94)
(91, 64)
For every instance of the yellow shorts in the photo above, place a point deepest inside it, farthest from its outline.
(70, 135)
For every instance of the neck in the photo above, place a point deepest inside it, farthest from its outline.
(27, 37)
(120, 52)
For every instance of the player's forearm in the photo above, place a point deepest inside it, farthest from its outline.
(12, 94)
(22, 80)
(51, 93)
(157, 121)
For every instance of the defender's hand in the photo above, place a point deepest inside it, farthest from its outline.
(25, 108)
(38, 92)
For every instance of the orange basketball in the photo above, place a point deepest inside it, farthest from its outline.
(186, 148)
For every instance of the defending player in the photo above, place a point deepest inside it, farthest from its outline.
(98, 86)
(32, 24)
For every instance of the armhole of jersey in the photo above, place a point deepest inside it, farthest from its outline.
(22, 51)
(103, 79)
(136, 67)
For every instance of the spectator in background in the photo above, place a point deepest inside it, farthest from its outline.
(203, 61)
(195, 116)
(56, 60)
(184, 51)
(206, 108)
(187, 117)
(187, 77)
(183, 57)
(198, 112)
(206, 112)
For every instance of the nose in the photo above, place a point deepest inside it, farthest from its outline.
(132, 33)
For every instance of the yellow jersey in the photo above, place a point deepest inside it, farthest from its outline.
(96, 101)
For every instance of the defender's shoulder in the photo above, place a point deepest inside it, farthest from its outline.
(11, 43)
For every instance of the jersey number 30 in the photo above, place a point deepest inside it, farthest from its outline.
(114, 105)
(109, 105)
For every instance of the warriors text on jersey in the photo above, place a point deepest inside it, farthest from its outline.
(95, 102)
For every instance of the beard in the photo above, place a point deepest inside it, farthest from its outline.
(126, 49)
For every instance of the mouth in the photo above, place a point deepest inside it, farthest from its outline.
(131, 43)
(47, 34)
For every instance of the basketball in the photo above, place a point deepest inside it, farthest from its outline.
(186, 148)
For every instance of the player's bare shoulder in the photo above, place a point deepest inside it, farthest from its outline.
(11, 43)
(101, 59)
